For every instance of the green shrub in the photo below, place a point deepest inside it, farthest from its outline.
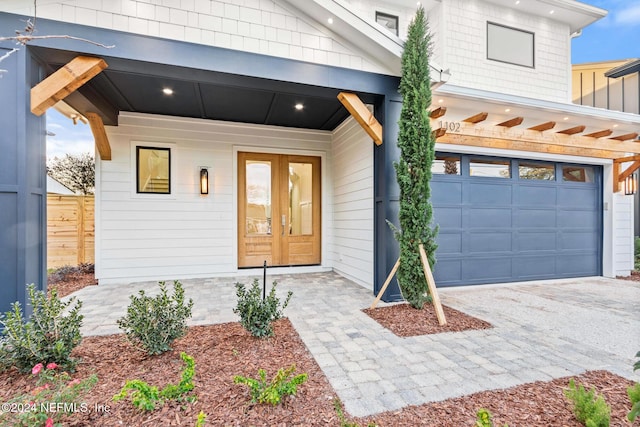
(634, 396)
(153, 323)
(48, 336)
(589, 408)
(483, 418)
(62, 273)
(637, 254)
(146, 397)
(263, 391)
(54, 396)
(202, 417)
(257, 314)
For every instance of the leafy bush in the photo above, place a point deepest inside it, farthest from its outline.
(257, 314)
(637, 254)
(483, 418)
(54, 396)
(146, 397)
(263, 391)
(589, 408)
(634, 395)
(202, 417)
(48, 336)
(153, 323)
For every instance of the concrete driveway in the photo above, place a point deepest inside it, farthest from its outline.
(542, 330)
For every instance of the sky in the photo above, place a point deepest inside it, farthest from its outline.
(617, 36)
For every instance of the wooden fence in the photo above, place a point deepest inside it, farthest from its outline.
(70, 230)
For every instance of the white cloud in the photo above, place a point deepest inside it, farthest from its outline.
(69, 138)
(627, 16)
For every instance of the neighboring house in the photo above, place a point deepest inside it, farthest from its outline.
(55, 187)
(243, 95)
(614, 85)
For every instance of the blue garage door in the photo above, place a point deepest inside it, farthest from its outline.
(504, 220)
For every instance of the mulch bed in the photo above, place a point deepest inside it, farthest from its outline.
(634, 277)
(66, 280)
(405, 321)
(223, 351)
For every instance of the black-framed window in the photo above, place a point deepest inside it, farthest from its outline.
(536, 171)
(390, 22)
(510, 45)
(153, 170)
(446, 164)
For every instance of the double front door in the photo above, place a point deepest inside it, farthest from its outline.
(278, 210)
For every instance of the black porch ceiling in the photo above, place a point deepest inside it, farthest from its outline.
(137, 86)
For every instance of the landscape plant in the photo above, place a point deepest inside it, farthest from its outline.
(257, 314)
(153, 323)
(413, 169)
(147, 397)
(55, 395)
(272, 392)
(47, 336)
(589, 408)
(484, 418)
(634, 395)
(637, 254)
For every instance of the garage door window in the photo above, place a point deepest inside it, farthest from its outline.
(577, 174)
(536, 171)
(446, 165)
(489, 168)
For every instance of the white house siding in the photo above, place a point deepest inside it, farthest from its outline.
(258, 26)
(353, 228)
(181, 235)
(623, 234)
(460, 43)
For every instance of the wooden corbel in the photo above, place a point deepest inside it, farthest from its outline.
(363, 116)
(619, 175)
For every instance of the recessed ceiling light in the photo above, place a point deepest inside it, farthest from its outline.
(299, 106)
(566, 118)
(551, 12)
(440, 101)
(167, 91)
(507, 110)
(615, 126)
(330, 20)
(518, 2)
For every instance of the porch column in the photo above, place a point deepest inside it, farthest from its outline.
(387, 197)
(23, 216)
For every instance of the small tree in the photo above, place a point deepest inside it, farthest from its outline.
(76, 172)
(413, 170)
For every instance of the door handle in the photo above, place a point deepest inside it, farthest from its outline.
(283, 222)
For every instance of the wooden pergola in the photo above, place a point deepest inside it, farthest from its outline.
(543, 138)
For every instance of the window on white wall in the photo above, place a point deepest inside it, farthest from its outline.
(390, 22)
(153, 170)
(510, 45)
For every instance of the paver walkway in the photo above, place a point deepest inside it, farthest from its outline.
(541, 331)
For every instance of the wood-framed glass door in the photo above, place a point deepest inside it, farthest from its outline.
(278, 210)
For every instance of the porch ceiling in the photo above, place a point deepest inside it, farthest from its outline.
(137, 86)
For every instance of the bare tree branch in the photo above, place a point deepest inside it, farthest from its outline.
(24, 39)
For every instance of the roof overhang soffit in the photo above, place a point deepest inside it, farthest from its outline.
(370, 38)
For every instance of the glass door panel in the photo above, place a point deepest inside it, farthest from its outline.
(258, 199)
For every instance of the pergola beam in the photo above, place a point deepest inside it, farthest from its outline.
(625, 137)
(543, 126)
(363, 116)
(64, 81)
(572, 131)
(600, 134)
(511, 122)
(438, 112)
(99, 135)
(477, 118)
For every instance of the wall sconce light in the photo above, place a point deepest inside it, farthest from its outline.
(631, 184)
(204, 180)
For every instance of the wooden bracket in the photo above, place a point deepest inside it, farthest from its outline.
(543, 126)
(438, 112)
(619, 175)
(66, 80)
(477, 118)
(99, 135)
(363, 116)
(511, 122)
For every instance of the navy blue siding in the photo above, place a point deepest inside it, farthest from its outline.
(506, 229)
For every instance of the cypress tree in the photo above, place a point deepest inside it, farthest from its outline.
(413, 170)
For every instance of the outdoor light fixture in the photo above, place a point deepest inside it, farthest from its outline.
(204, 180)
(631, 184)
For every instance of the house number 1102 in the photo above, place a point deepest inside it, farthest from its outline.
(450, 126)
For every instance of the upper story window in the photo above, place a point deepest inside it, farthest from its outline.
(510, 45)
(153, 170)
(390, 22)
